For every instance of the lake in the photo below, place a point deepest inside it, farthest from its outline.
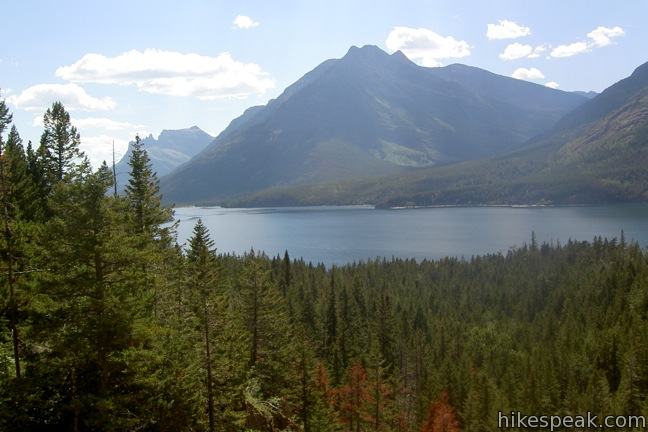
(339, 235)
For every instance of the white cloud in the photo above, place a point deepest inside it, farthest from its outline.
(97, 123)
(570, 50)
(538, 51)
(506, 29)
(516, 51)
(99, 148)
(425, 46)
(245, 22)
(74, 97)
(527, 74)
(105, 124)
(602, 36)
(172, 73)
(599, 37)
(552, 84)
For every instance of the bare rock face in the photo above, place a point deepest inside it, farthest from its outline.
(169, 151)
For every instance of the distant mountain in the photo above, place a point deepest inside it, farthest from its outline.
(170, 150)
(588, 94)
(365, 115)
(596, 153)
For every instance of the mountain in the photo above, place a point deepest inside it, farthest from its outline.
(588, 94)
(366, 115)
(596, 153)
(170, 150)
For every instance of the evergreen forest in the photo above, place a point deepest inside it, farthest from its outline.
(108, 324)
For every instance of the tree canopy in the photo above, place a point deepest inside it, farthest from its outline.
(109, 325)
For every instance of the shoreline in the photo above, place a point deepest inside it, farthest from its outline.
(412, 207)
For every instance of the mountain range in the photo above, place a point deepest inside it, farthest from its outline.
(597, 153)
(367, 115)
(376, 128)
(170, 150)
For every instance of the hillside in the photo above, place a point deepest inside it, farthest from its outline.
(366, 115)
(596, 153)
(170, 150)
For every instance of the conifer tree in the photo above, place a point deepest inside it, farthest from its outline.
(441, 416)
(143, 193)
(331, 345)
(26, 199)
(354, 399)
(60, 143)
(5, 119)
(378, 389)
(287, 276)
(146, 215)
(95, 308)
(306, 397)
(38, 180)
(307, 313)
(15, 152)
(202, 279)
(271, 354)
(14, 195)
(9, 250)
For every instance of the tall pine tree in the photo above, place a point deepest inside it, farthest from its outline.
(25, 194)
(143, 193)
(60, 141)
(271, 356)
(95, 310)
(202, 280)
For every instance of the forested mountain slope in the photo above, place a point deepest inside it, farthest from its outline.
(365, 115)
(596, 153)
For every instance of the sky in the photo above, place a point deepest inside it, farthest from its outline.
(127, 67)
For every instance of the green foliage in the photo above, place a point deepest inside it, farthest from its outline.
(202, 280)
(268, 327)
(25, 193)
(95, 302)
(143, 193)
(108, 324)
(5, 118)
(61, 157)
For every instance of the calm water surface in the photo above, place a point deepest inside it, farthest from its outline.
(338, 235)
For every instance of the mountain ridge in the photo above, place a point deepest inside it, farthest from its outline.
(597, 153)
(169, 150)
(367, 114)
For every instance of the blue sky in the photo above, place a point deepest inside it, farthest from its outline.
(124, 67)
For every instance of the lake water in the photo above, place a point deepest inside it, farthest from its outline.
(338, 235)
